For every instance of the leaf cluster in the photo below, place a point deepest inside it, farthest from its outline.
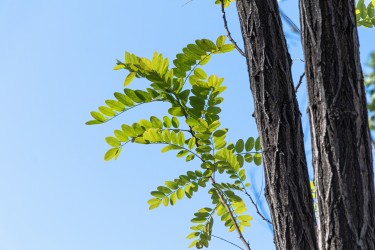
(192, 129)
(365, 15)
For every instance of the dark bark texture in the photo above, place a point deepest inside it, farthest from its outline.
(340, 135)
(279, 124)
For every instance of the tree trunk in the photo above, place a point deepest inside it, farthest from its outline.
(279, 124)
(339, 127)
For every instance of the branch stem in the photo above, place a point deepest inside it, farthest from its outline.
(227, 29)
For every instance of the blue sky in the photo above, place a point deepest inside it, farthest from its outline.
(56, 63)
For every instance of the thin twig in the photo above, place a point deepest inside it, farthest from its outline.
(227, 29)
(261, 188)
(227, 241)
(299, 59)
(247, 245)
(240, 235)
(300, 81)
(290, 22)
(187, 3)
(256, 207)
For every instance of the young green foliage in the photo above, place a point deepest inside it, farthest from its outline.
(365, 15)
(225, 2)
(192, 130)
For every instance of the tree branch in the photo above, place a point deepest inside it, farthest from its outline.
(299, 82)
(227, 241)
(290, 22)
(227, 29)
(256, 206)
(231, 216)
(240, 235)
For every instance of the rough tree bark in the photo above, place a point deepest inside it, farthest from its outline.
(279, 124)
(339, 127)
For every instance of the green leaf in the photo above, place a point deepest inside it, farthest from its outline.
(128, 130)
(175, 122)
(219, 144)
(257, 159)
(121, 136)
(226, 48)
(143, 95)
(129, 78)
(131, 94)
(205, 60)
(193, 244)
(370, 10)
(174, 138)
(239, 146)
(199, 129)
(191, 174)
(190, 157)
(171, 184)
(220, 133)
(97, 116)
(107, 111)
(184, 96)
(200, 73)
(153, 201)
(93, 122)
(362, 8)
(202, 183)
(195, 49)
(173, 198)
(115, 105)
(220, 41)
(180, 193)
(240, 160)
(140, 140)
(249, 145)
(257, 144)
(206, 45)
(169, 147)
(112, 141)
(191, 143)
(181, 138)
(198, 220)
(191, 122)
(245, 217)
(192, 235)
(203, 123)
(119, 66)
(124, 99)
(165, 201)
(111, 153)
(203, 149)
(166, 136)
(248, 158)
(176, 111)
(156, 123)
(146, 124)
(182, 153)
(164, 190)
(167, 122)
(157, 194)
(213, 126)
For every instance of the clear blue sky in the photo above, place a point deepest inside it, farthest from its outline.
(56, 191)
